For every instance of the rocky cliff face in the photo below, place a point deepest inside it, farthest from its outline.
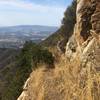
(86, 47)
(88, 14)
(77, 75)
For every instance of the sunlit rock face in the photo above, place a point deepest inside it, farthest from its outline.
(87, 36)
(95, 18)
(88, 18)
(87, 30)
(88, 23)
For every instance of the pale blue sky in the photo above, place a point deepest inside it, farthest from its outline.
(32, 12)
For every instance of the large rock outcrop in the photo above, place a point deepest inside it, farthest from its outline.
(87, 36)
(77, 74)
(88, 15)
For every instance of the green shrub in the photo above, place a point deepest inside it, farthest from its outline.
(32, 54)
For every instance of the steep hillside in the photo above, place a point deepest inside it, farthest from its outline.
(7, 56)
(62, 35)
(77, 73)
(7, 67)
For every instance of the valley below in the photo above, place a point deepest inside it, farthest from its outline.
(15, 36)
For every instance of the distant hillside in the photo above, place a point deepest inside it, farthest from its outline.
(15, 36)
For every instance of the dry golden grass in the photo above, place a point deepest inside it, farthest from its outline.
(68, 81)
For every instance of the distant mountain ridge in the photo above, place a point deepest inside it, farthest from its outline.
(22, 29)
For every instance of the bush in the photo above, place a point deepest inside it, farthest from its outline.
(32, 54)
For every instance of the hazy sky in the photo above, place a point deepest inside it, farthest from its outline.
(32, 12)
